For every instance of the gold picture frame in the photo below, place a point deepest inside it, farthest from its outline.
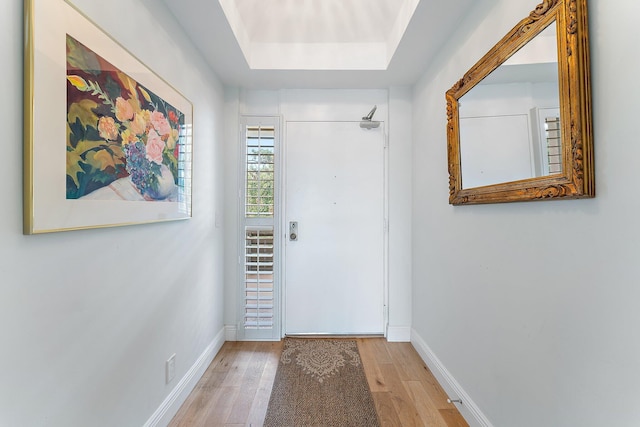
(91, 108)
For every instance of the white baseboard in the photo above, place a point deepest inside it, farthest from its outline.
(468, 408)
(398, 333)
(230, 333)
(167, 410)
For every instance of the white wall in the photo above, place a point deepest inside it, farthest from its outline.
(394, 107)
(400, 185)
(532, 307)
(499, 137)
(88, 318)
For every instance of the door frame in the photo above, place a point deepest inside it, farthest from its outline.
(284, 228)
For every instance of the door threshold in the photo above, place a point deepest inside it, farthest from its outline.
(325, 335)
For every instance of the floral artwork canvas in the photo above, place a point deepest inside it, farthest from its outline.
(107, 140)
(124, 142)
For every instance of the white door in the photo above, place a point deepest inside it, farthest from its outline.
(334, 190)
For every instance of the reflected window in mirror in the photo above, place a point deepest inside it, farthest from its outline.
(553, 159)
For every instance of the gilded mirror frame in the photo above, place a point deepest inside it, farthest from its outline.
(577, 178)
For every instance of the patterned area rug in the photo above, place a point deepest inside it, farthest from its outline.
(320, 382)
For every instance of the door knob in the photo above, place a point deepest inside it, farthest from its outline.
(293, 230)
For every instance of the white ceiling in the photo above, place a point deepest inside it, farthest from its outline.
(324, 21)
(318, 34)
(272, 44)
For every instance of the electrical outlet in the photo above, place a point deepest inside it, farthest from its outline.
(171, 368)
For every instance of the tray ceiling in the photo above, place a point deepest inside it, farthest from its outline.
(319, 43)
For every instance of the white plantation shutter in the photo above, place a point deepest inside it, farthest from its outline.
(259, 316)
(184, 169)
(260, 179)
(554, 147)
(258, 273)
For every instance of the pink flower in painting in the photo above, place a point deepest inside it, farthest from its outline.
(124, 110)
(160, 122)
(155, 146)
(108, 128)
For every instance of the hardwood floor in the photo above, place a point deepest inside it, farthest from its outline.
(235, 389)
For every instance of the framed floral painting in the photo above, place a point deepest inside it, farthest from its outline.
(107, 141)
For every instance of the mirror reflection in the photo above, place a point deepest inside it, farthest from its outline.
(510, 121)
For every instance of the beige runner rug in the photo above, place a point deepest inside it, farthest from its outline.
(320, 382)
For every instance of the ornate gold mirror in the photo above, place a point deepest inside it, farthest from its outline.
(519, 121)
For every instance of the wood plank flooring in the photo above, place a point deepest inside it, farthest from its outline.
(235, 389)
